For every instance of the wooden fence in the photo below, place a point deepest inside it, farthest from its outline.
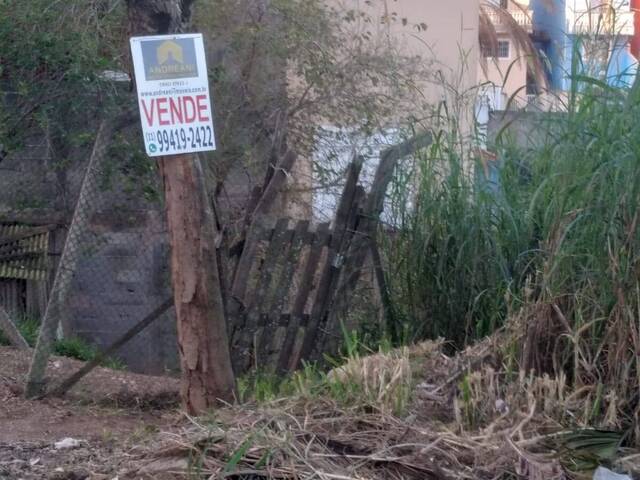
(284, 282)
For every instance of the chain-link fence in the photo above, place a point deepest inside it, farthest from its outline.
(90, 274)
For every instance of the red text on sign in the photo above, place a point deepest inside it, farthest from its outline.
(175, 110)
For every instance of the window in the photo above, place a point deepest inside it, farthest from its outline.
(503, 49)
(504, 3)
(500, 50)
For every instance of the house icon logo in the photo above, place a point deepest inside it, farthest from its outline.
(170, 51)
(169, 59)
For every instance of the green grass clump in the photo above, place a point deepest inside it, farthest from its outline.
(28, 328)
(361, 378)
(73, 347)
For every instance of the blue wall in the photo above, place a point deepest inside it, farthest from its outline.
(551, 22)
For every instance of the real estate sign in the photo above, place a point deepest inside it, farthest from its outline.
(173, 94)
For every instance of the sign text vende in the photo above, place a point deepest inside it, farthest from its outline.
(165, 111)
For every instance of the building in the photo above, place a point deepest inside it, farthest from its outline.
(509, 66)
(591, 37)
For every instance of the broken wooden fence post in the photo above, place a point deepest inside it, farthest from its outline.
(334, 260)
(11, 331)
(367, 224)
(289, 354)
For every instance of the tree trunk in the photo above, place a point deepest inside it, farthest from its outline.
(207, 375)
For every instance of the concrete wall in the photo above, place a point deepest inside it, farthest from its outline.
(525, 129)
(119, 282)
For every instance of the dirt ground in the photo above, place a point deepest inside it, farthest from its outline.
(109, 412)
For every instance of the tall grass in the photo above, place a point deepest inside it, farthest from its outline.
(454, 247)
(551, 248)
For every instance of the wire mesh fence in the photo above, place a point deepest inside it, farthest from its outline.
(88, 276)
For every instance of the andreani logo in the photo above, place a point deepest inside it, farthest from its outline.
(169, 59)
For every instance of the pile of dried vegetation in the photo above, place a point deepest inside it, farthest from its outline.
(405, 414)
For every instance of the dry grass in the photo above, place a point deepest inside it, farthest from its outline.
(384, 379)
(469, 418)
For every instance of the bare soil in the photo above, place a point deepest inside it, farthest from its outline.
(109, 412)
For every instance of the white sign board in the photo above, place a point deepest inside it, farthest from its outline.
(173, 94)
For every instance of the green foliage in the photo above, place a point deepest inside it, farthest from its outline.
(52, 58)
(74, 347)
(283, 66)
(586, 449)
(456, 250)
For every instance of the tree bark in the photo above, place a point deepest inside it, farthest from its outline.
(207, 375)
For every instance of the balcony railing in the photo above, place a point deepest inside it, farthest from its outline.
(522, 18)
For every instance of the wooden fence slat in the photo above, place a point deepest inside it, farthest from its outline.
(263, 205)
(288, 355)
(247, 336)
(292, 258)
(237, 306)
(256, 233)
(329, 326)
(261, 313)
(273, 332)
(334, 257)
(370, 215)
